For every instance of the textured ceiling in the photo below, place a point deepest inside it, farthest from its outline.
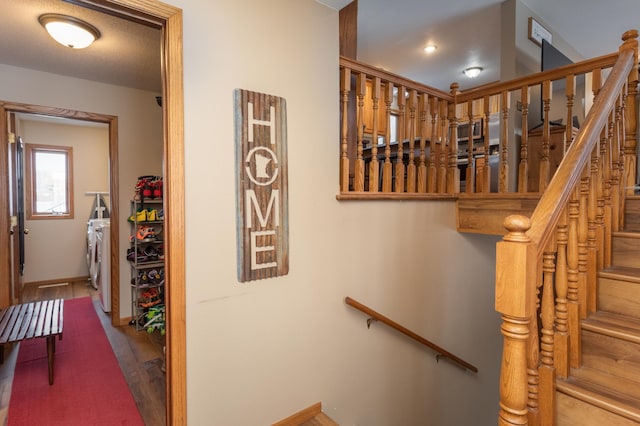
(126, 54)
(391, 34)
(467, 33)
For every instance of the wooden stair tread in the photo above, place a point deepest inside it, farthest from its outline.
(586, 385)
(626, 273)
(614, 325)
(621, 387)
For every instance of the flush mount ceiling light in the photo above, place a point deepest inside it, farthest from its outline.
(430, 48)
(69, 31)
(472, 72)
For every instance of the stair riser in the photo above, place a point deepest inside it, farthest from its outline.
(612, 355)
(625, 251)
(632, 215)
(571, 412)
(617, 296)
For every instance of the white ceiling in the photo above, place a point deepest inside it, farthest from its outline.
(126, 54)
(391, 34)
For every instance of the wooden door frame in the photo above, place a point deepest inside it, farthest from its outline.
(114, 192)
(169, 20)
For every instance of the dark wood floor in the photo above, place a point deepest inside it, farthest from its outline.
(139, 355)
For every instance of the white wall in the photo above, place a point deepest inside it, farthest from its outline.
(56, 248)
(259, 351)
(139, 133)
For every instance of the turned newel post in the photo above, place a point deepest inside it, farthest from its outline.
(515, 300)
(630, 39)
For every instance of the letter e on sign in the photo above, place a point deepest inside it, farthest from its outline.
(262, 195)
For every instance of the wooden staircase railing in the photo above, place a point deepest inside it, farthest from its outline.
(404, 140)
(439, 350)
(546, 265)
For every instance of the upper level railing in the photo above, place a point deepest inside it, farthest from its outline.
(402, 139)
(546, 266)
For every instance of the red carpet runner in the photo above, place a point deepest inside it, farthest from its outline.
(88, 388)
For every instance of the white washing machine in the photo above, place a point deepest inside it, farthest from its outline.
(94, 258)
(103, 244)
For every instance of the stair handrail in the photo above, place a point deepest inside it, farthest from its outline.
(519, 254)
(379, 317)
(371, 71)
(582, 67)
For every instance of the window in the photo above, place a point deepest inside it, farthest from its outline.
(49, 182)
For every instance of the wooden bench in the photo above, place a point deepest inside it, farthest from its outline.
(31, 321)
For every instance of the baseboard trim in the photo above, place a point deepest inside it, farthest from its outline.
(50, 283)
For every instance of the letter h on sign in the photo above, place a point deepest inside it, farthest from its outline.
(261, 185)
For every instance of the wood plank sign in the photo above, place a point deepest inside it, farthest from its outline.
(261, 185)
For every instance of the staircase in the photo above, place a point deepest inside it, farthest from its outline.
(605, 390)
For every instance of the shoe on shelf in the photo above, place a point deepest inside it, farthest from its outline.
(154, 276)
(160, 214)
(143, 278)
(150, 297)
(152, 215)
(145, 234)
(150, 253)
(157, 187)
(139, 216)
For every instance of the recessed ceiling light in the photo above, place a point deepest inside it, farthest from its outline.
(472, 72)
(69, 31)
(430, 48)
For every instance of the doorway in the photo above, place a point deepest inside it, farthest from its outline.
(169, 19)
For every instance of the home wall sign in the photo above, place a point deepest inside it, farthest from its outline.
(261, 185)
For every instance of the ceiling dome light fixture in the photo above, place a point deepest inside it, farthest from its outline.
(430, 48)
(69, 31)
(472, 72)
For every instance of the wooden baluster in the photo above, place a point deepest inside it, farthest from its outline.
(361, 90)
(547, 372)
(573, 308)
(533, 361)
(561, 350)
(630, 39)
(596, 82)
(374, 166)
(513, 288)
(471, 168)
(387, 168)
(422, 167)
(523, 168)
(570, 92)
(411, 168)
(402, 100)
(607, 192)
(616, 166)
(583, 229)
(622, 160)
(592, 241)
(442, 170)
(453, 173)
(345, 86)
(433, 146)
(503, 184)
(486, 185)
(546, 137)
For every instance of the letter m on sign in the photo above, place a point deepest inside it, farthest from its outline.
(262, 195)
